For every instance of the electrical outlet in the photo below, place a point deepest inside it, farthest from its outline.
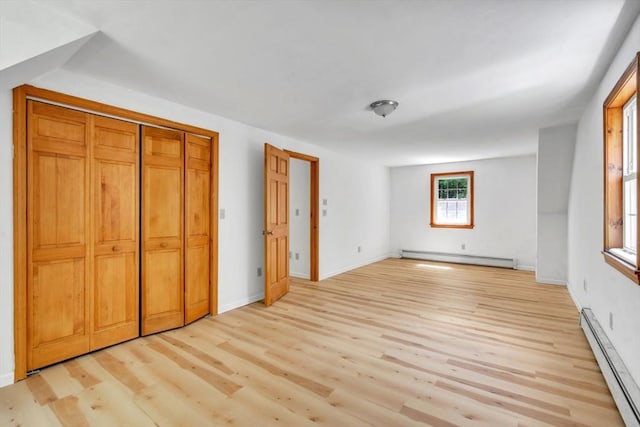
(611, 321)
(297, 212)
(359, 248)
(463, 246)
(222, 213)
(324, 202)
(324, 212)
(297, 256)
(259, 271)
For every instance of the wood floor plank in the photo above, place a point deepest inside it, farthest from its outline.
(119, 370)
(80, 374)
(103, 405)
(41, 390)
(394, 343)
(19, 407)
(68, 412)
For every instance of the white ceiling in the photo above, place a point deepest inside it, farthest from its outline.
(474, 78)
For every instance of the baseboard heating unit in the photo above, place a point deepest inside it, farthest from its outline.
(459, 258)
(623, 388)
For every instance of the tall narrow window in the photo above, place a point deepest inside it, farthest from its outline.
(452, 200)
(620, 248)
(630, 178)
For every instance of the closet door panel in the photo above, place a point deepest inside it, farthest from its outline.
(162, 230)
(162, 186)
(198, 219)
(58, 201)
(116, 211)
(58, 229)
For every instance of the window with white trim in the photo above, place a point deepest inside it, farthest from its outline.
(452, 200)
(620, 198)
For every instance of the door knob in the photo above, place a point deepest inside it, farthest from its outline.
(267, 233)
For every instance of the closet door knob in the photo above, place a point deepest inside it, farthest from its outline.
(163, 245)
(116, 248)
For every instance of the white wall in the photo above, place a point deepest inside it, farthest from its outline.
(504, 210)
(357, 195)
(300, 218)
(607, 290)
(555, 159)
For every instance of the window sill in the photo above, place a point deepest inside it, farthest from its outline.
(622, 265)
(451, 225)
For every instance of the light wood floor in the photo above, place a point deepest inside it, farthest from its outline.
(396, 343)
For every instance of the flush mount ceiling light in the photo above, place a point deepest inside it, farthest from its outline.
(384, 107)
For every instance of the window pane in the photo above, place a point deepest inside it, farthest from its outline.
(452, 212)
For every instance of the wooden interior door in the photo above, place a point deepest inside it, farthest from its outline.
(115, 297)
(162, 229)
(58, 232)
(276, 223)
(198, 219)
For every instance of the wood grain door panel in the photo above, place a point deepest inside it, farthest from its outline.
(58, 312)
(162, 194)
(115, 297)
(198, 220)
(59, 197)
(163, 305)
(276, 234)
(163, 230)
(115, 303)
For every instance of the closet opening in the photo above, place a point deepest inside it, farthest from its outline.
(90, 213)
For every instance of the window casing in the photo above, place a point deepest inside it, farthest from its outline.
(452, 200)
(620, 237)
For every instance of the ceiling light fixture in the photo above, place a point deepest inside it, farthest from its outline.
(384, 107)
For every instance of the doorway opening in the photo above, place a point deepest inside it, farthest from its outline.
(305, 183)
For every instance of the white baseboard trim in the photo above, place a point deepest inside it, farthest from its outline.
(304, 276)
(354, 266)
(458, 258)
(240, 302)
(549, 281)
(525, 267)
(6, 379)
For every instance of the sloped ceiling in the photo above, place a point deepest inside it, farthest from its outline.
(474, 78)
(34, 40)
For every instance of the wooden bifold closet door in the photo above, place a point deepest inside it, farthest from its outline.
(118, 231)
(162, 229)
(198, 227)
(176, 196)
(82, 233)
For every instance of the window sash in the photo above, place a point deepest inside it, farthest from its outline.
(629, 178)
